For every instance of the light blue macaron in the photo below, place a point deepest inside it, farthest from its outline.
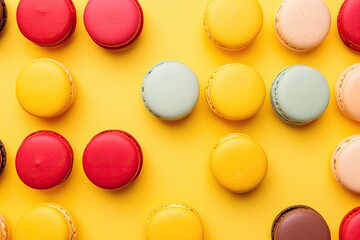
(299, 94)
(170, 90)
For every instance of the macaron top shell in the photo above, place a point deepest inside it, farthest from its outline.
(233, 24)
(350, 225)
(347, 92)
(3, 14)
(238, 163)
(302, 25)
(46, 221)
(44, 160)
(235, 91)
(113, 23)
(46, 23)
(45, 88)
(2, 157)
(170, 90)
(347, 23)
(300, 223)
(346, 163)
(175, 222)
(112, 159)
(300, 94)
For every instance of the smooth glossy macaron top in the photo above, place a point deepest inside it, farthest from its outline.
(302, 25)
(45, 88)
(233, 24)
(46, 221)
(2, 157)
(113, 23)
(112, 159)
(347, 92)
(238, 163)
(348, 24)
(174, 222)
(3, 14)
(345, 163)
(44, 160)
(299, 94)
(350, 225)
(235, 91)
(300, 222)
(46, 23)
(4, 229)
(170, 90)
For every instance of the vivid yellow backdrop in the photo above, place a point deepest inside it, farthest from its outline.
(176, 167)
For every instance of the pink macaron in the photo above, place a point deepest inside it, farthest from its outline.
(114, 24)
(348, 24)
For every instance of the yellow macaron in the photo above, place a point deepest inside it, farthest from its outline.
(235, 91)
(45, 88)
(174, 222)
(233, 24)
(238, 163)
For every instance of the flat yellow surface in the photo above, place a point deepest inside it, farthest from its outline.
(176, 164)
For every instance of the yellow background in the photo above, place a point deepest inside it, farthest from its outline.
(176, 167)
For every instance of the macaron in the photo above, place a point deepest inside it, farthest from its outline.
(112, 159)
(345, 163)
(2, 157)
(300, 222)
(170, 90)
(233, 24)
(3, 14)
(238, 163)
(235, 91)
(45, 88)
(4, 229)
(347, 92)
(44, 160)
(174, 222)
(348, 26)
(302, 25)
(46, 23)
(46, 221)
(114, 24)
(350, 225)
(299, 94)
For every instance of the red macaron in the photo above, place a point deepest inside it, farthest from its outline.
(46, 23)
(349, 25)
(114, 24)
(44, 160)
(112, 159)
(350, 225)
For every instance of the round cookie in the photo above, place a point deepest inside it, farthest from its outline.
(46, 23)
(112, 159)
(350, 225)
(46, 221)
(233, 24)
(3, 14)
(45, 88)
(174, 222)
(238, 163)
(299, 95)
(302, 25)
(2, 157)
(44, 160)
(300, 222)
(170, 90)
(345, 163)
(348, 25)
(235, 91)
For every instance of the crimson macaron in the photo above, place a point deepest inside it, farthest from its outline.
(114, 24)
(112, 159)
(350, 225)
(44, 160)
(46, 23)
(348, 24)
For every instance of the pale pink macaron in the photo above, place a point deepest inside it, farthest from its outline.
(345, 163)
(302, 25)
(347, 92)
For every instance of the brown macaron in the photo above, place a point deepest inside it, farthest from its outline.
(3, 14)
(2, 157)
(300, 222)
